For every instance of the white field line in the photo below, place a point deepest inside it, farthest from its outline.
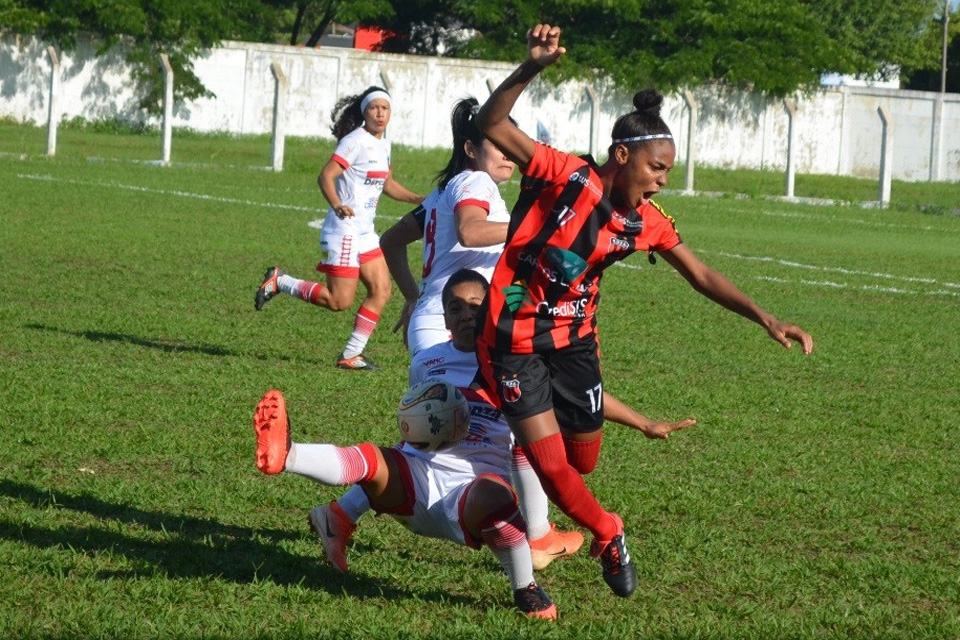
(168, 192)
(944, 291)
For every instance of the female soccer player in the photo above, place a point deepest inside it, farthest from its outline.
(537, 347)
(463, 223)
(455, 361)
(351, 181)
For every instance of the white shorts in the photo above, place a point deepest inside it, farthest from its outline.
(426, 330)
(436, 494)
(343, 255)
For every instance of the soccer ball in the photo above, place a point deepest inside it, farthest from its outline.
(433, 414)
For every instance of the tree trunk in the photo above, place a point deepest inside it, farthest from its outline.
(321, 27)
(298, 22)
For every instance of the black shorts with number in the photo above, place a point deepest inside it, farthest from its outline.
(567, 381)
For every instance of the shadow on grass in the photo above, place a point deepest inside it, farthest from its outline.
(190, 547)
(168, 346)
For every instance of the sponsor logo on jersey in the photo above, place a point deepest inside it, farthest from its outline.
(628, 224)
(485, 411)
(432, 362)
(378, 178)
(570, 265)
(566, 309)
(510, 390)
(515, 295)
(583, 177)
(527, 258)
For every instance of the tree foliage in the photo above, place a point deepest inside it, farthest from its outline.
(927, 75)
(180, 28)
(773, 47)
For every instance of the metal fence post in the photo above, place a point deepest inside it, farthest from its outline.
(691, 132)
(594, 119)
(167, 108)
(791, 144)
(53, 113)
(278, 134)
(886, 155)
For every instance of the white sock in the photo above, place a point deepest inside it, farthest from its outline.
(533, 501)
(327, 463)
(354, 503)
(288, 284)
(508, 543)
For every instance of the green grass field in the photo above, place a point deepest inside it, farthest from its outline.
(816, 498)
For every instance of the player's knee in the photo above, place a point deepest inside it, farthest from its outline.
(488, 496)
(340, 303)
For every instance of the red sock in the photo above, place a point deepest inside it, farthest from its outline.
(583, 456)
(566, 487)
(363, 326)
(310, 291)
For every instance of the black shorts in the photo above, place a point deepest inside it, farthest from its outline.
(567, 381)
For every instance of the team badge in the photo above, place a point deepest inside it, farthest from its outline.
(510, 390)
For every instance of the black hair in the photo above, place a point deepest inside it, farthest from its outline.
(347, 115)
(464, 128)
(645, 120)
(459, 277)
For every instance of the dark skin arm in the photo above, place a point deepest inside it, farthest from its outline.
(493, 119)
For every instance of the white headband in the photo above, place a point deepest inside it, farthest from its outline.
(652, 136)
(370, 97)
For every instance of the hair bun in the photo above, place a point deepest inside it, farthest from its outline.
(648, 101)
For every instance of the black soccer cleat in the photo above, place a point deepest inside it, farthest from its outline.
(533, 602)
(268, 289)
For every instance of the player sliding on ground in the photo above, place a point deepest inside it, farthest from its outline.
(474, 470)
(537, 346)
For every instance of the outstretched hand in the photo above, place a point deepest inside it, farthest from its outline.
(657, 430)
(784, 332)
(543, 43)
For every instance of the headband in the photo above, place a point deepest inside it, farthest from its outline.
(651, 136)
(370, 97)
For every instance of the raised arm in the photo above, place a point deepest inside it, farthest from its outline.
(715, 286)
(493, 119)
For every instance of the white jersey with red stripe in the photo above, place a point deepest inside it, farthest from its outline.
(489, 441)
(365, 159)
(443, 254)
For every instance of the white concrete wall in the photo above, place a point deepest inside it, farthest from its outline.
(838, 129)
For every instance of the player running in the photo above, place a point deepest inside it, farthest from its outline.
(351, 181)
(537, 346)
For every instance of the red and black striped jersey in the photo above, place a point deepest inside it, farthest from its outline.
(563, 234)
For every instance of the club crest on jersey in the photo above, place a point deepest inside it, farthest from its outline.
(618, 244)
(570, 265)
(515, 295)
(510, 390)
